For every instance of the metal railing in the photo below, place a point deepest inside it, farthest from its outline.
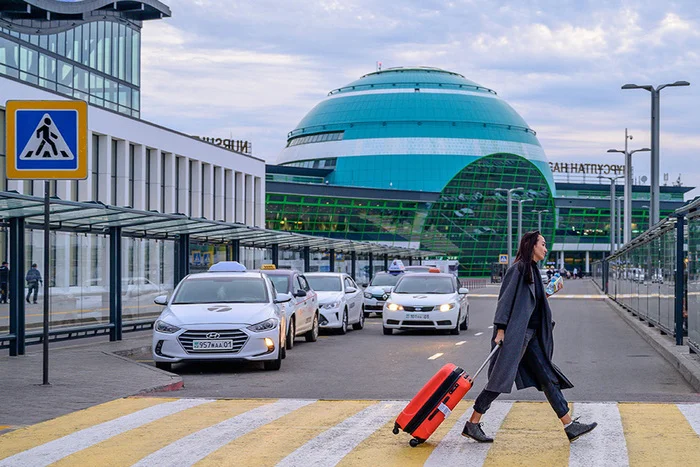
(656, 276)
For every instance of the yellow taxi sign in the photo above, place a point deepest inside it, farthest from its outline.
(46, 140)
(268, 267)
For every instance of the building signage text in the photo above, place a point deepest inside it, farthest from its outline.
(578, 168)
(246, 147)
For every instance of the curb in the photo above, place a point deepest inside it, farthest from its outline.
(176, 382)
(677, 355)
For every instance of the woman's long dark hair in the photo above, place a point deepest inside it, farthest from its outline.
(524, 256)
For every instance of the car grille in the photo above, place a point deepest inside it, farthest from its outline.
(374, 307)
(418, 308)
(239, 340)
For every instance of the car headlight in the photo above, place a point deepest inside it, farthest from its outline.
(328, 306)
(368, 295)
(394, 307)
(162, 326)
(446, 307)
(263, 326)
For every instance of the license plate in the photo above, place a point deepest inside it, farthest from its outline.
(212, 345)
(417, 316)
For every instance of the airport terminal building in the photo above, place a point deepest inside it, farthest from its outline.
(417, 157)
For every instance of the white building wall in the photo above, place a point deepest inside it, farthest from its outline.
(239, 197)
(183, 182)
(230, 207)
(139, 180)
(123, 174)
(169, 182)
(207, 191)
(249, 200)
(219, 198)
(196, 189)
(155, 173)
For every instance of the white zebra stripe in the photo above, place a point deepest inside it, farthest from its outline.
(454, 449)
(328, 448)
(58, 449)
(195, 447)
(606, 445)
(692, 413)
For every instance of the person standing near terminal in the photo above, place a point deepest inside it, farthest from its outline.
(33, 279)
(523, 326)
(4, 281)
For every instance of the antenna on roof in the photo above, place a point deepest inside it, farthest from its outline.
(379, 66)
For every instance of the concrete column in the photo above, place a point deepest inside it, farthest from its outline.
(123, 173)
(169, 182)
(183, 192)
(219, 197)
(239, 198)
(249, 200)
(104, 185)
(16, 185)
(196, 183)
(63, 189)
(259, 208)
(156, 172)
(85, 186)
(208, 191)
(561, 259)
(230, 208)
(139, 180)
(588, 262)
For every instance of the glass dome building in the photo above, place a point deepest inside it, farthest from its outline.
(412, 157)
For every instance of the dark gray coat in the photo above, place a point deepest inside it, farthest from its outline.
(516, 302)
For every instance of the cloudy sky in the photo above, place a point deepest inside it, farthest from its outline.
(253, 69)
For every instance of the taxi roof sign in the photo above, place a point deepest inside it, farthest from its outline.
(46, 140)
(397, 266)
(268, 267)
(227, 266)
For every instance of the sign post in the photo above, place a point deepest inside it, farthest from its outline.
(46, 140)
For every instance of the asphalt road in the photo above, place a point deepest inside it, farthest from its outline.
(604, 358)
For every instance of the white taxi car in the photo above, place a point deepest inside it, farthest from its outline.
(378, 290)
(340, 299)
(427, 301)
(301, 312)
(221, 316)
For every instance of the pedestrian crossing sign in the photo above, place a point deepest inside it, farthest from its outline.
(502, 259)
(46, 140)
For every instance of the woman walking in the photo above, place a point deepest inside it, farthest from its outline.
(523, 325)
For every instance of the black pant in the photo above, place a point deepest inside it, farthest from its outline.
(3, 292)
(33, 286)
(534, 358)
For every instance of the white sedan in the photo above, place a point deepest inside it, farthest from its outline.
(427, 301)
(341, 301)
(221, 316)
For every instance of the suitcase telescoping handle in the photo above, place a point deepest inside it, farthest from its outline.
(488, 359)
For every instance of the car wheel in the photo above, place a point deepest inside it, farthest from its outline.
(283, 347)
(465, 324)
(387, 331)
(344, 325)
(312, 334)
(275, 364)
(291, 334)
(455, 331)
(361, 322)
(366, 313)
(379, 314)
(166, 366)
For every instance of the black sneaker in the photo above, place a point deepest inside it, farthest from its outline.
(474, 431)
(576, 429)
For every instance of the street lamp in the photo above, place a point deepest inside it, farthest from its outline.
(520, 217)
(655, 115)
(509, 198)
(628, 185)
(539, 217)
(612, 209)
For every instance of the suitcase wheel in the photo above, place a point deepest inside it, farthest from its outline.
(415, 442)
(396, 429)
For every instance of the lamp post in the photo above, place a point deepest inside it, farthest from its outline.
(618, 222)
(628, 186)
(520, 217)
(509, 200)
(539, 217)
(655, 105)
(612, 209)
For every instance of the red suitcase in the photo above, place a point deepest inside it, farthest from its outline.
(435, 402)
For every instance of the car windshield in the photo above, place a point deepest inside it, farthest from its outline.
(221, 290)
(325, 283)
(281, 283)
(385, 280)
(423, 284)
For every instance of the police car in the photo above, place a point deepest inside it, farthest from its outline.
(302, 313)
(227, 313)
(427, 301)
(378, 290)
(340, 300)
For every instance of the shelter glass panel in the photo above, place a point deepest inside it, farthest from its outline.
(148, 270)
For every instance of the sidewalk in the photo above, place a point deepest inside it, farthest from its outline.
(81, 374)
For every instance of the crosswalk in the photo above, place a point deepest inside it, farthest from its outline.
(146, 431)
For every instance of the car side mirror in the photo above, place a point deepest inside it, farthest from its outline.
(463, 291)
(161, 300)
(300, 293)
(350, 290)
(283, 298)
